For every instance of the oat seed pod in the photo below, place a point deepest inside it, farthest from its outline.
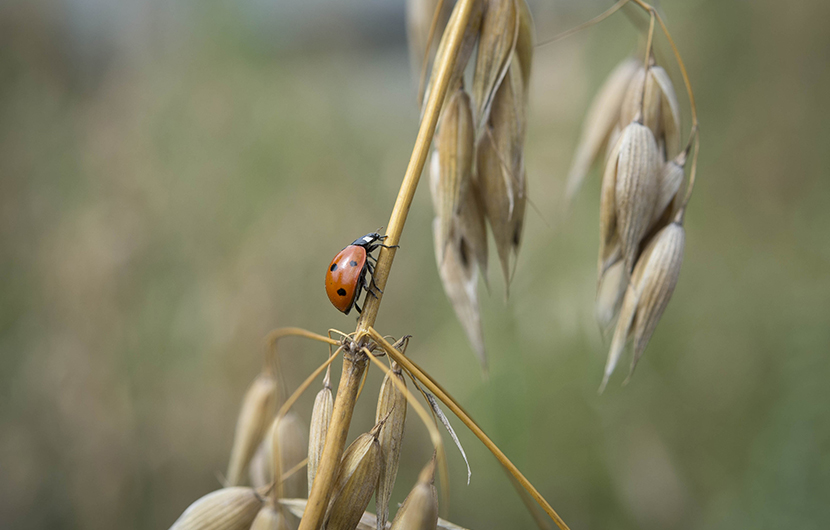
(391, 407)
(670, 177)
(501, 172)
(603, 116)
(454, 148)
(257, 409)
(419, 15)
(320, 419)
(293, 446)
(647, 107)
(356, 481)
(232, 508)
(669, 110)
(660, 108)
(609, 295)
(468, 41)
(658, 283)
(499, 32)
(270, 518)
(419, 510)
(647, 295)
(459, 276)
(635, 188)
(609, 242)
(259, 471)
(471, 228)
(525, 41)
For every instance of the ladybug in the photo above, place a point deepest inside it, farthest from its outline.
(346, 275)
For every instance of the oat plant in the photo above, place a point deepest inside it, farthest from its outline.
(283, 474)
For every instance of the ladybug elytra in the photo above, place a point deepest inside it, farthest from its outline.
(346, 275)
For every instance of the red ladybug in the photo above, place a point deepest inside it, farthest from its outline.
(346, 276)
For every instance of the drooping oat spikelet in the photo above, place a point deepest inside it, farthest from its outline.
(525, 41)
(471, 228)
(670, 177)
(419, 510)
(459, 277)
(669, 110)
(367, 520)
(419, 14)
(501, 172)
(454, 148)
(270, 518)
(609, 241)
(659, 107)
(259, 471)
(320, 419)
(658, 285)
(610, 294)
(232, 508)
(647, 295)
(391, 407)
(356, 481)
(635, 188)
(293, 446)
(257, 410)
(499, 32)
(603, 115)
(468, 41)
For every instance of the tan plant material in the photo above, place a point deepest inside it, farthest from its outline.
(670, 177)
(419, 15)
(356, 481)
(270, 518)
(459, 276)
(454, 148)
(258, 408)
(636, 188)
(391, 411)
(293, 446)
(501, 171)
(609, 295)
(603, 116)
(232, 508)
(525, 41)
(419, 510)
(368, 521)
(259, 471)
(471, 229)
(647, 295)
(468, 41)
(659, 107)
(320, 419)
(499, 33)
(609, 241)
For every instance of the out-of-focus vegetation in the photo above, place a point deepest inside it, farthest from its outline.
(174, 179)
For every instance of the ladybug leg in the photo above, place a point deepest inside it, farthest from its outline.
(359, 310)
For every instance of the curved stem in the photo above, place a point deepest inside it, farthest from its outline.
(455, 33)
(442, 394)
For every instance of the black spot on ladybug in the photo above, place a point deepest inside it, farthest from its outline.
(353, 263)
(333, 267)
(341, 292)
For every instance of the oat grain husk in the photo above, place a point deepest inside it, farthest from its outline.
(258, 407)
(499, 32)
(419, 510)
(232, 508)
(602, 117)
(356, 481)
(391, 407)
(270, 518)
(320, 420)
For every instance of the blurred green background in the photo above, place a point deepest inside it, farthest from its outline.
(174, 178)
